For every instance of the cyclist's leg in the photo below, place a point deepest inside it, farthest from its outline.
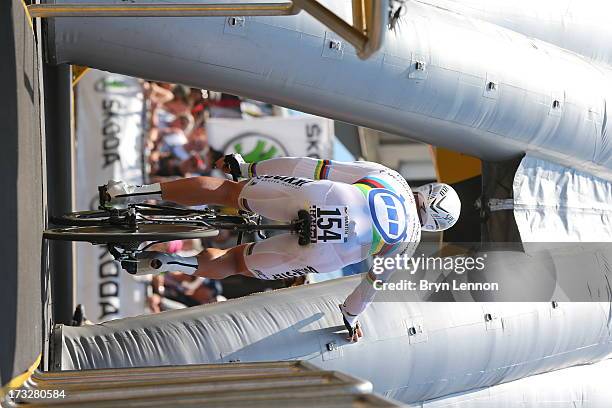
(278, 257)
(211, 263)
(189, 191)
(202, 190)
(281, 257)
(214, 263)
(280, 198)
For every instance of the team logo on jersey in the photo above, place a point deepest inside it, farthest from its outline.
(389, 215)
(288, 180)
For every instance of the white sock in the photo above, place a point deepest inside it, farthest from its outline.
(148, 191)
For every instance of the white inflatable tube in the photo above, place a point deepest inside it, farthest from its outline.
(581, 26)
(411, 351)
(586, 386)
(441, 78)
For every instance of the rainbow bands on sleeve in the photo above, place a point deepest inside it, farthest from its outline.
(252, 172)
(322, 170)
(367, 183)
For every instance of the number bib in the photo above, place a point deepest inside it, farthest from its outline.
(329, 224)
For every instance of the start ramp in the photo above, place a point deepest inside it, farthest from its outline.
(264, 384)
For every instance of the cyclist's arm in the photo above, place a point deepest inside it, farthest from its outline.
(361, 297)
(346, 172)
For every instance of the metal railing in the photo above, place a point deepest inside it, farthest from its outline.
(262, 384)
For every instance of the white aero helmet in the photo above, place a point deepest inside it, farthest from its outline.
(439, 206)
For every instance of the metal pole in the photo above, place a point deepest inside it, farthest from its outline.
(60, 193)
(162, 10)
(376, 24)
(331, 20)
(359, 15)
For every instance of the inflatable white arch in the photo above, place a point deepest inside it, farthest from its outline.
(412, 351)
(580, 26)
(441, 77)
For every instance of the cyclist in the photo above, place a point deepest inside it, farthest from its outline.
(361, 209)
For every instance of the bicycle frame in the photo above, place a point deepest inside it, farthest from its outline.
(244, 222)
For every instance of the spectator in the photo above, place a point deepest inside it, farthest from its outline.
(183, 291)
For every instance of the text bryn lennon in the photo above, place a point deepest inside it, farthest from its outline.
(426, 285)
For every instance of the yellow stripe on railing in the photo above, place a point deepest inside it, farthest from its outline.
(20, 379)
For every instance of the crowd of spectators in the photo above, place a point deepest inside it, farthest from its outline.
(176, 144)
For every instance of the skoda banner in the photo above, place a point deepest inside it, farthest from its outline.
(109, 132)
(265, 138)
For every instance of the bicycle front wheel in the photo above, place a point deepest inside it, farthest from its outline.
(103, 234)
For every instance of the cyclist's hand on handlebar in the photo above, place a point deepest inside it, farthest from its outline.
(221, 165)
(114, 191)
(231, 164)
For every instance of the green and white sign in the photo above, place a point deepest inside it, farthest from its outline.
(266, 138)
(109, 131)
